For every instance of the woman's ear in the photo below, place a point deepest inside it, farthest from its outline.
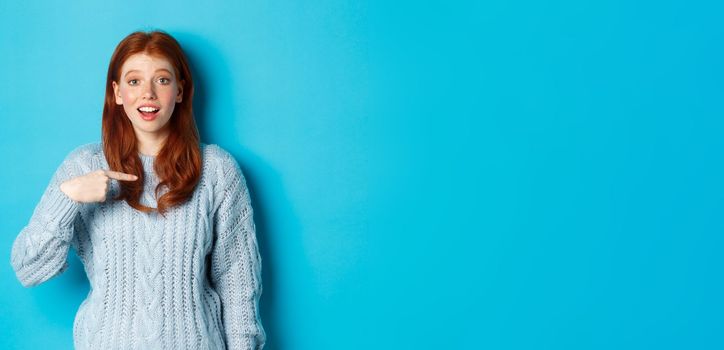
(117, 94)
(180, 95)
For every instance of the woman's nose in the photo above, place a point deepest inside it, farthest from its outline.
(148, 91)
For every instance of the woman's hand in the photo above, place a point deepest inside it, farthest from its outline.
(92, 187)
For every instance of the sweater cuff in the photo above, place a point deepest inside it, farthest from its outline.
(61, 212)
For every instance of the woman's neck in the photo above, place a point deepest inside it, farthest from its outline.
(150, 144)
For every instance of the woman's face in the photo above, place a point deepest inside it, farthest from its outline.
(148, 91)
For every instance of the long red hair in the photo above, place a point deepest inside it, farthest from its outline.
(178, 163)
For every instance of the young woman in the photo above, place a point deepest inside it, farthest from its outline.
(161, 221)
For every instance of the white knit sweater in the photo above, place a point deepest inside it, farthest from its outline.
(189, 281)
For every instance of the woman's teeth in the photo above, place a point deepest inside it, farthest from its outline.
(148, 109)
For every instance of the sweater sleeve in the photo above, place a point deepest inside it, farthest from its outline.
(235, 267)
(40, 251)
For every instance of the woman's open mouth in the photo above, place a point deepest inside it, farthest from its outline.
(148, 113)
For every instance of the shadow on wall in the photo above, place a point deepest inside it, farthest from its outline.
(270, 202)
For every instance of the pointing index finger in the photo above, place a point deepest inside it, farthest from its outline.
(120, 176)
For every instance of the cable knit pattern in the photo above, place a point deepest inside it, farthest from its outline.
(191, 280)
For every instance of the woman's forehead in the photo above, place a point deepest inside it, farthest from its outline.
(145, 62)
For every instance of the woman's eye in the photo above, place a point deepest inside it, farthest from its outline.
(133, 82)
(164, 80)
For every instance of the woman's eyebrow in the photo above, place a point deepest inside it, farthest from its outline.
(136, 70)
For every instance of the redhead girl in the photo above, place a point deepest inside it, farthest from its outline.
(162, 222)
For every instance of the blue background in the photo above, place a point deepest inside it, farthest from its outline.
(425, 175)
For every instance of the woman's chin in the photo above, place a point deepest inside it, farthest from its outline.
(150, 128)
